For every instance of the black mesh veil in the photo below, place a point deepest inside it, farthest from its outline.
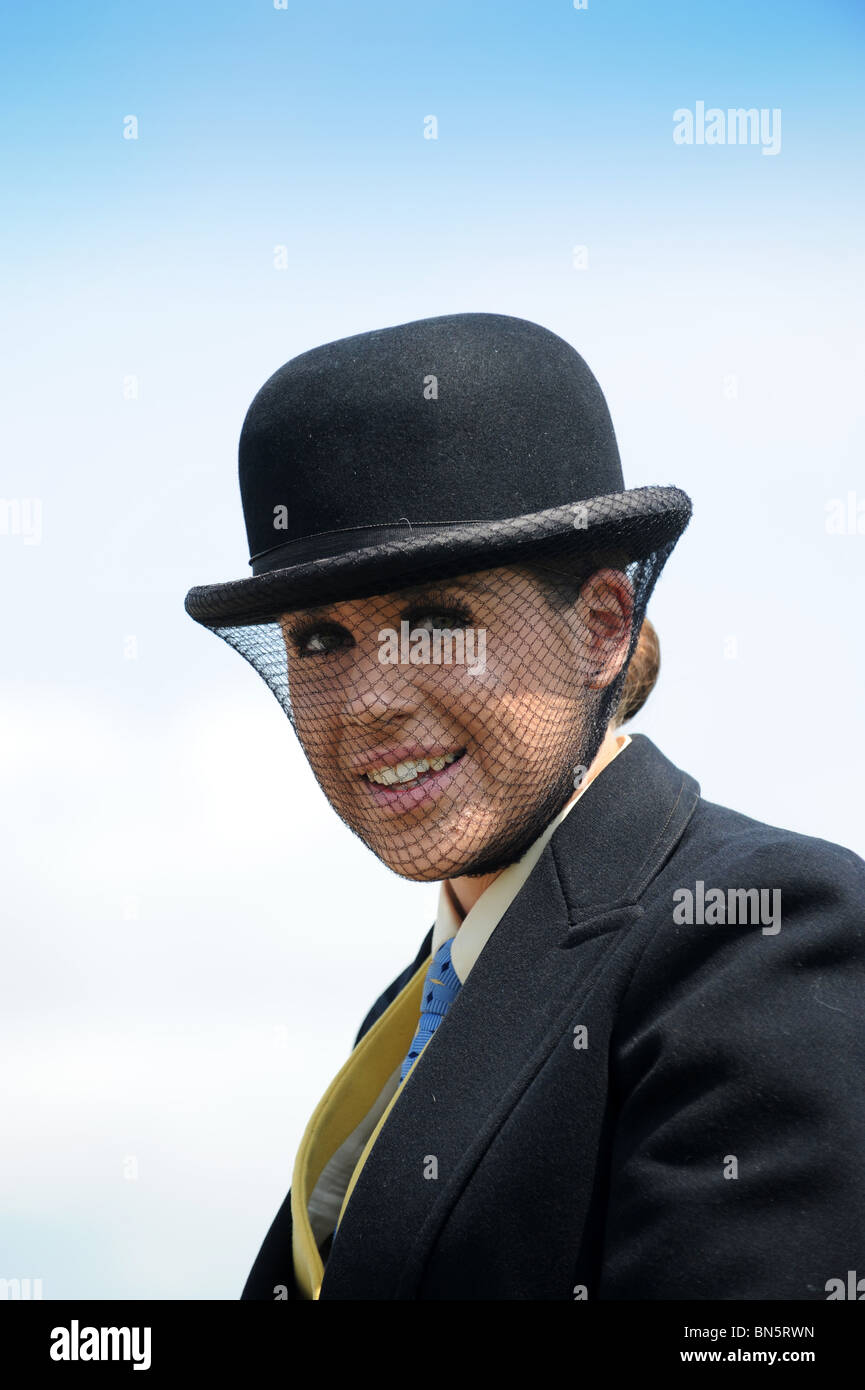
(449, 712)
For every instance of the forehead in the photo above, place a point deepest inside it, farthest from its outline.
(479, 583)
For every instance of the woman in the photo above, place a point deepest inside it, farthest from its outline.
(624, 1061)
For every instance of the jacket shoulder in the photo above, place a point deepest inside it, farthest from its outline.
(726, 841)
(743, 901)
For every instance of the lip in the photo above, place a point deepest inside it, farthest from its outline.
(397, 800)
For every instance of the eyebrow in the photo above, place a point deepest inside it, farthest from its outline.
(410, 593)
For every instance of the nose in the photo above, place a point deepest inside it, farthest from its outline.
(376, 691)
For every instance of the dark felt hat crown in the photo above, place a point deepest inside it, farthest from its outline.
(434, 447)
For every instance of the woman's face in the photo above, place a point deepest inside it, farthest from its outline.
(447, 723)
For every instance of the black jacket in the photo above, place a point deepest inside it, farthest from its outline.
(707, 1141)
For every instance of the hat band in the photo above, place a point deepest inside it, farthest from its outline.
(326, 544)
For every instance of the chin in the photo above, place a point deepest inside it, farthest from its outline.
(418, 875)
(427, 867)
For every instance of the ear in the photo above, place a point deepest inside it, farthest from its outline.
(606, 609)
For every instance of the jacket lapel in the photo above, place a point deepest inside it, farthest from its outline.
(515, 1005)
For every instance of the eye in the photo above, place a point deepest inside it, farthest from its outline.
(319, 637)
(314, 639)
(431, 618)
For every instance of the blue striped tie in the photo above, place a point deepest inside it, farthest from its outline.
(440, 989)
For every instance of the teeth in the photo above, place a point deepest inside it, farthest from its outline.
(408, 771)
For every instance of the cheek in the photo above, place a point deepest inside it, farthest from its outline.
(313, 708)
(316, 690)
(514, 679)
(532, 728)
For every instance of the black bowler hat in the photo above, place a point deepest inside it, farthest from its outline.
(427, 449)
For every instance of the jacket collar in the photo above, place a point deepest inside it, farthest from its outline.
(585, 884)
(613, 844)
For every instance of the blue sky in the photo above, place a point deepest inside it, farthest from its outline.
(151, 1005)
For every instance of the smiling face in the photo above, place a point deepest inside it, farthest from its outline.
(446, 723)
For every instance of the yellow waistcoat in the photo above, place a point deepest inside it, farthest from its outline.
(348, 1098)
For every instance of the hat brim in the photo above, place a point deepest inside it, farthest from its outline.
(635, 522)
